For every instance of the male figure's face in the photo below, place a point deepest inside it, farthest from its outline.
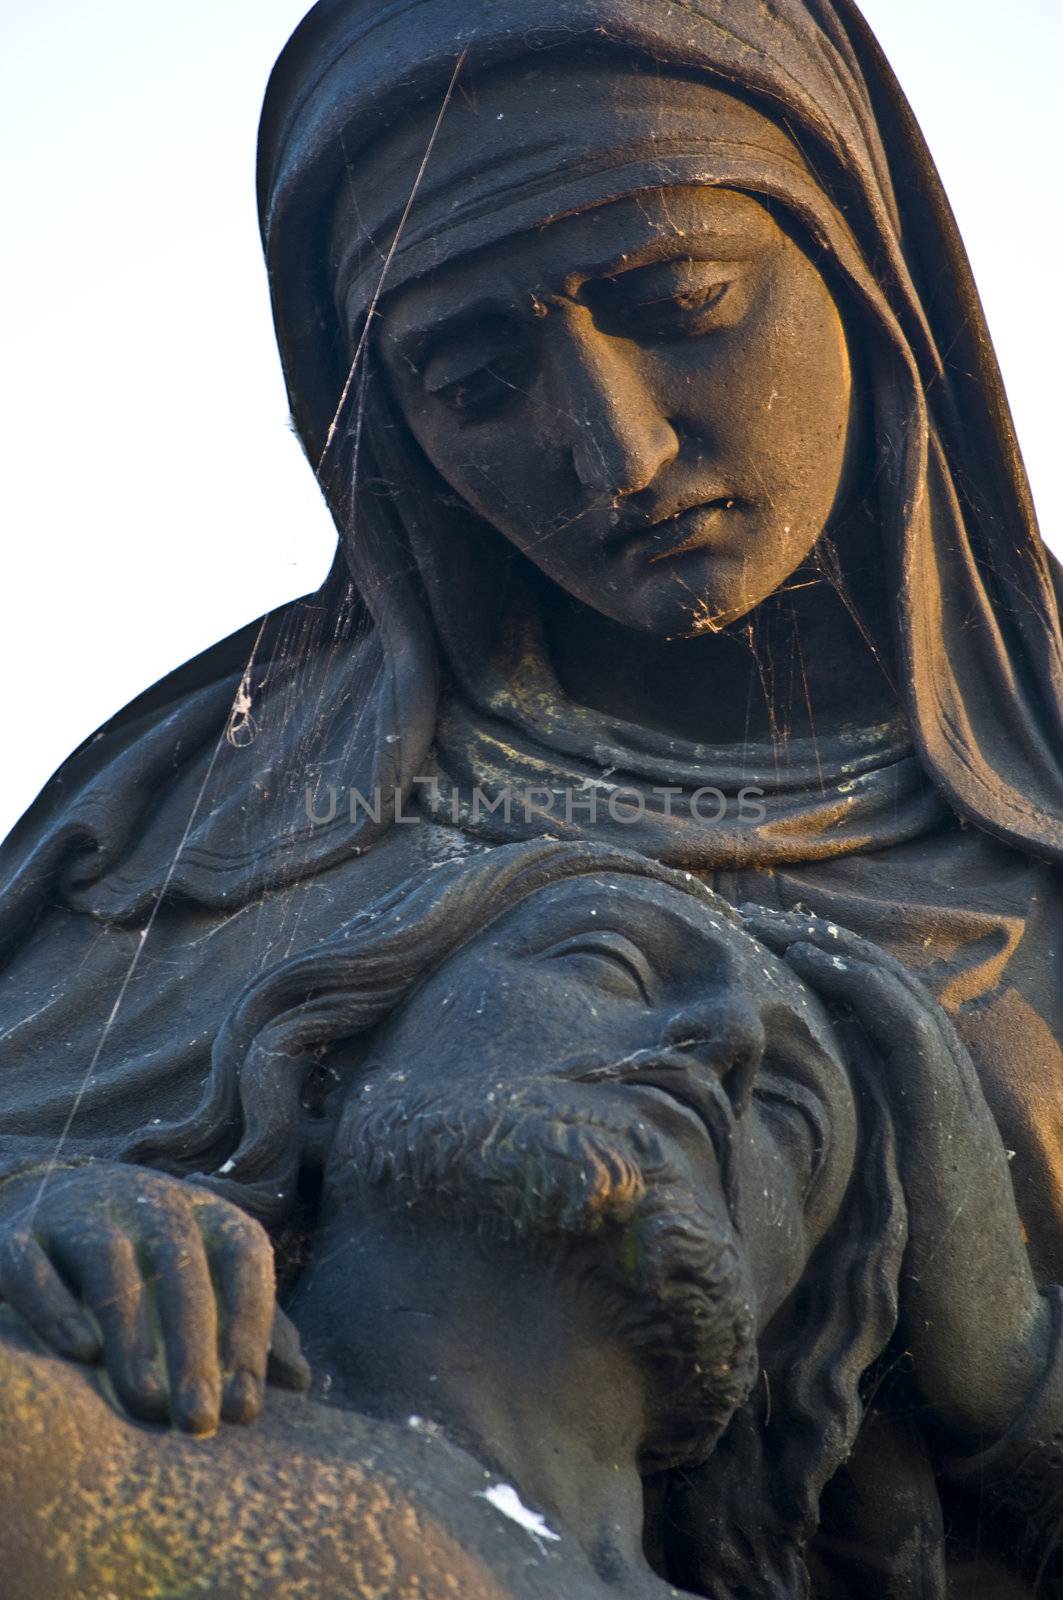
(616, 1066)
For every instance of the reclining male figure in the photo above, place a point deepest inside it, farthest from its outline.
(597, 1159)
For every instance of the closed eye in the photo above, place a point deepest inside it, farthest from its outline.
(484, 390)
(796, 1115)
(475, 370)
(613, 953)
(669, 300)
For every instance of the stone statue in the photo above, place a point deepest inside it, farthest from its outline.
(648, 1219)
(680, 512)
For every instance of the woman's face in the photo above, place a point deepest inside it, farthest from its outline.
(651, 400)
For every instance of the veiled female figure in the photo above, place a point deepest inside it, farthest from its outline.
(639, 358)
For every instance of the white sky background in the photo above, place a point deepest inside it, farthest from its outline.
(153, 497)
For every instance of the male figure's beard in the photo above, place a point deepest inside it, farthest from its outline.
(544, 1174)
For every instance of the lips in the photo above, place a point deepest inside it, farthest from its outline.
(694, 1089)
(688, 529)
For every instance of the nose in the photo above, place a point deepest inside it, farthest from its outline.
(729, 1031)
(618, 435)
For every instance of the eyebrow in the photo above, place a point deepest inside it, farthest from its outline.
(695, 917)
(696, 246)
(412, 343)
(665, 246)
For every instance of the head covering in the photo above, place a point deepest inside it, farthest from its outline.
(537, 139)
(793, 101)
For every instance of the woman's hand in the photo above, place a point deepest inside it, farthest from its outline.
(171, 1285)
(978, 1329)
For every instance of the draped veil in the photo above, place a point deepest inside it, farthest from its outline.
(977, 615)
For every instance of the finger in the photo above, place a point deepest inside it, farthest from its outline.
(894, 1008)
(777, 929)
(104, 1266)
(877, 999)
(32, 1287)
(892, 1004)
(179, 1275)
(930, 1068)
(288, 1367)
(241, 1261)
(780, 930)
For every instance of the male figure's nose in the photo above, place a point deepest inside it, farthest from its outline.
(728, 1031)
(617, 433)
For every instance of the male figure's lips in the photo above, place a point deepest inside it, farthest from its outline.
(693, 1087)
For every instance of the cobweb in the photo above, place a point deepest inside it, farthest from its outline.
(777, 684)
(240, 728)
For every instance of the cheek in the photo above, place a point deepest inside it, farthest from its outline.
(815, 384)
(803, 458)
(502, 471)
(508, 1020)
(789, 391)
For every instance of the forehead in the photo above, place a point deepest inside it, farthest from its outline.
(645, 902)
(685, 937)
(558, 258)
(691, 945)
(693, 950)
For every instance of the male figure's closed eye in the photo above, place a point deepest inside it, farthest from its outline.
(614, 961)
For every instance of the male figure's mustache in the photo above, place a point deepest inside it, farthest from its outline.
(691, 1084)
(552, 1163)
(530, 1164)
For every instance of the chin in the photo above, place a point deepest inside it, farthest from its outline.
(690, 596)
